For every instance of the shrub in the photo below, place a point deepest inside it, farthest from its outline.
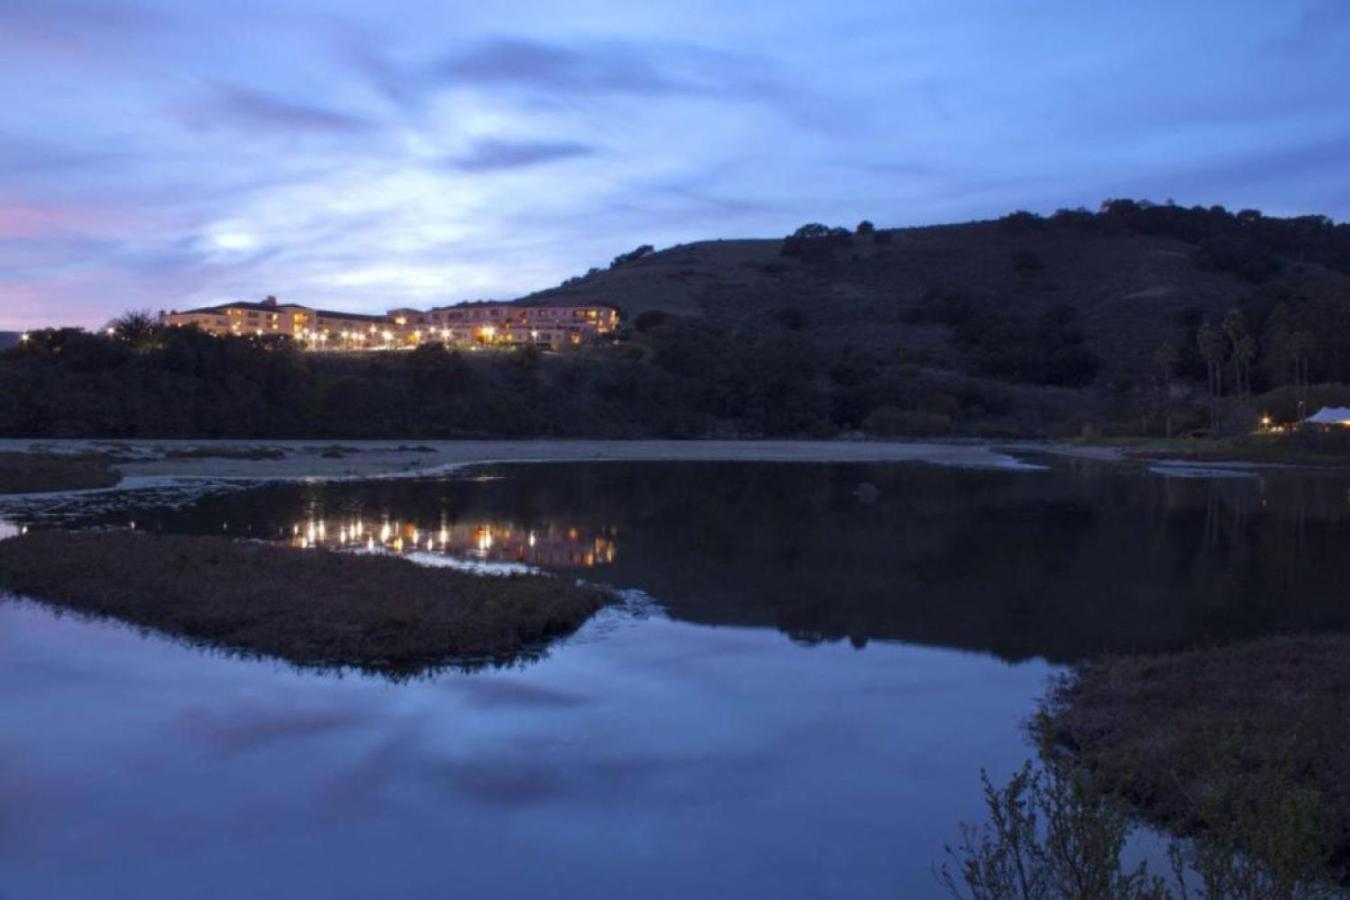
(1024, 261)
(631, 256)
(890, 421)
(649, 319)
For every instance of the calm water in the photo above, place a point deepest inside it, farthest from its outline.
(829, 656)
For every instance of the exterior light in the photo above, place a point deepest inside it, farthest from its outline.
(111, 331)
(24, 337)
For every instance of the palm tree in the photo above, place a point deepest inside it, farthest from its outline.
(1244, 348)
(1166, 358)
(1212, 350)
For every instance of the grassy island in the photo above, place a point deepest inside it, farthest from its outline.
(312, 607)
(23, 473)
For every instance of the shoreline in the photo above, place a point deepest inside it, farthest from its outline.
(376, 458)
(150, 461)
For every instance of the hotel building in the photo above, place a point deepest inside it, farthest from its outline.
(465, 325)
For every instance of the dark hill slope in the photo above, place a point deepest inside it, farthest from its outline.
(878, 292)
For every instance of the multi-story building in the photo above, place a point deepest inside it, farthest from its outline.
(465, 325)
(506, 323)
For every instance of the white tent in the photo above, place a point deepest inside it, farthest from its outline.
(1330, 415)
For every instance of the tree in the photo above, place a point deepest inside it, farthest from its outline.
(815, 242)
(138, 327)
(1243, 348)
(632, 256)
(1166, 358)
(1212, 350)
(865, 228)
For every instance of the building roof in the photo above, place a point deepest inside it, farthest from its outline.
(352, 317)
(1330, 415)
(275, 307)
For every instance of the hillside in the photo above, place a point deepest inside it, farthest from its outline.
(1130, 290)
(1139, 319)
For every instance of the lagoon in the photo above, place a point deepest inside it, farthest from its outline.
(812, 666)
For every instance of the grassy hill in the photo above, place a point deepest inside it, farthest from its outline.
(1129, 288)
(1139, 319)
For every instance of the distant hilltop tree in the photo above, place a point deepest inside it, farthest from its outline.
(578, 279)
(815, 242)
(1021, 221)
(632, 256)
(865, 228)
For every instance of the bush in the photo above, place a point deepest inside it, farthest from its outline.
(631, 256)
(1027, 261)
(793, 318)
(890, 421)
(649, 319)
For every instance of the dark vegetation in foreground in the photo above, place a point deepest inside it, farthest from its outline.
(1166, 732)
(313, 607)
(1138, 318)
(1054, 834)
(22, 473)
(1239, 750)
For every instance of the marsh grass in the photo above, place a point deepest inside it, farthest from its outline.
(1200, 740)
(22, 473)
(1240, 751)
(312, 608)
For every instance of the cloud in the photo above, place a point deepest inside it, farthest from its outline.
(246, 108)
(363, 160)
(491, 155)
(23, 156)
(653, 71)
(607, 68)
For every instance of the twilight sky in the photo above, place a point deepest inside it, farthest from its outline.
(361, 156)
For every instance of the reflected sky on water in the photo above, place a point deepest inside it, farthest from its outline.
(833, 655)
(644, 757)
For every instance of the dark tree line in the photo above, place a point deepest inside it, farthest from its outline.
(670, 377)
(1247, 243)
(1047, 349)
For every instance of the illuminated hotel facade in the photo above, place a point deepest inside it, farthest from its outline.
(466, 325)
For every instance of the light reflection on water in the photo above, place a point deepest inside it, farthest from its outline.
(1064, 563)
(549, 544)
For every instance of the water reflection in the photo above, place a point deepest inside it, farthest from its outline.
(1079, 559)
(687, 761)
(549, 544)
